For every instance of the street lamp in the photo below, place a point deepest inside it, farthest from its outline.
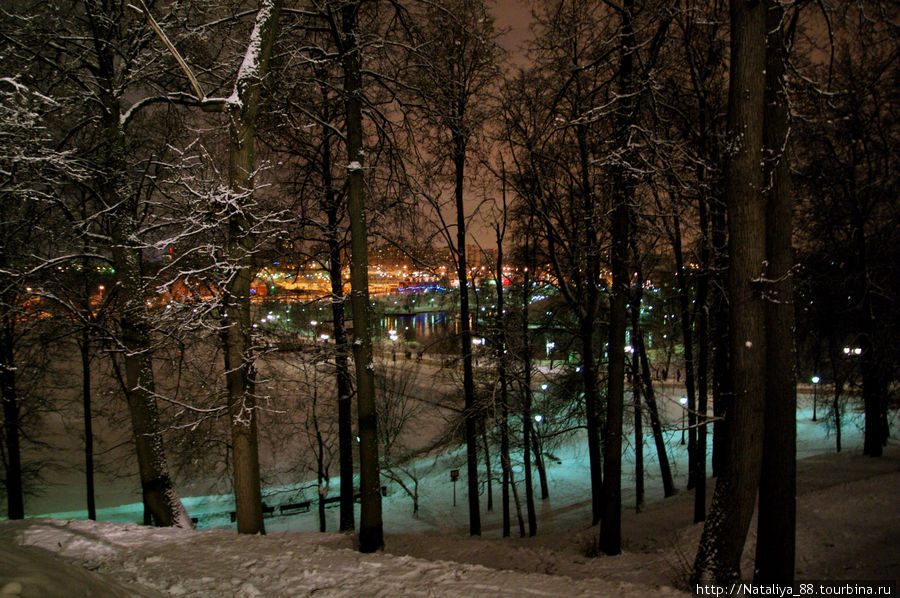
(815, 381)
(683, 401)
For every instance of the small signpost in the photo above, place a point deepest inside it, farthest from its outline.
(454, 475)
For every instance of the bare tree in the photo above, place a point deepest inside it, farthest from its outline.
(460, 64)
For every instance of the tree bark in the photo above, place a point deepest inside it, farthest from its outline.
(465, 339)
(687, 335)
(15, 496)
(341, 345)
(502, 375)
(702, 365)
(85, 350)
(159, 494)
(776, 529)
(371, 534)
(592, 413)
(725, 531)
(240, 248)
(611, 525)
(719, 334)
(638, 437)
(487, 467)
(656, 426)
(526, 392)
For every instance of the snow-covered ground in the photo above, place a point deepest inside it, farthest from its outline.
(848, 528)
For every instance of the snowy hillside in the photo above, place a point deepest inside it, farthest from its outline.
(848, 528)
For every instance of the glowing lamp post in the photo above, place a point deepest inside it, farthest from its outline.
(815, 381)
(683, 401)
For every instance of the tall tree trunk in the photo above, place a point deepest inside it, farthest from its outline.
(159, 494)
(719, 333)
(465, 339)
(720, 309)
(592, 412)
(725, 531)
(649, 394)
(341, 345)
(687, 335)
(242, 415)
(15, 496)
(838, 381)
(85, 349)
(487, 466)
(588, 306)
(527, 401)
(874, 386)
(611, 525)
(505, 464)
(321, 472)
(371, 534)
(156, 484)
(502, 376)
(702, 365)
(539, 462)
(776, 529)
(638, 437)
(515, 491)
(240, 248)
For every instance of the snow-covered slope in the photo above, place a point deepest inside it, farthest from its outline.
(848, 528)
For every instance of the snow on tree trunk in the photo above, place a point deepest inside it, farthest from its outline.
(241, 109)
(776, 530)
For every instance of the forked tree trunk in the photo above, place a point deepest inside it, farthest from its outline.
(158, 492)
